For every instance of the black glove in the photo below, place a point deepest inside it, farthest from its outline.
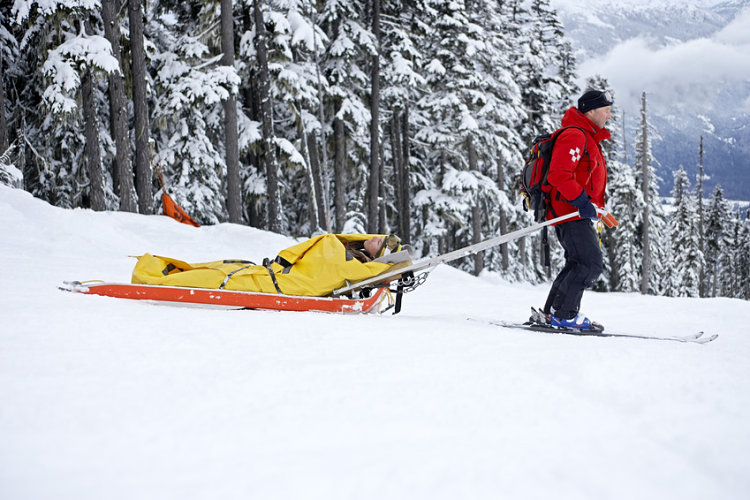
(586, 209)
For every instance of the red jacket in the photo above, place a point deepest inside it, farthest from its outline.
(571, 170)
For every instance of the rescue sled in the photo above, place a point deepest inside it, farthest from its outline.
(231, 299)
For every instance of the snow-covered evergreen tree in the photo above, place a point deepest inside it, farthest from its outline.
(190, 86)
(542, 90)
(732, 258)
(504, 147)
(626, 201)
(742, 263)
(295, 93)
(343, 65)
(72, 56)
(450, 111)
(402, 85)
(717, 220)
(687, 258)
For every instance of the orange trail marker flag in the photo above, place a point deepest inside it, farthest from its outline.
(172, 209)
(169, 207)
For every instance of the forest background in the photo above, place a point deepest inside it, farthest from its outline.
(409, 117)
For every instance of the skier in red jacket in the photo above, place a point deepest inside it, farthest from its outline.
(578, 175)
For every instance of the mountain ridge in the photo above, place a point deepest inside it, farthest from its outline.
(685, 101)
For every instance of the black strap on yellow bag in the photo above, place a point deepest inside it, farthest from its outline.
(267, 264)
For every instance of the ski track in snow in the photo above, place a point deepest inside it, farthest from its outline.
(107, 398)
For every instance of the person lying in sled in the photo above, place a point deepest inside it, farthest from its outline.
(314, 267)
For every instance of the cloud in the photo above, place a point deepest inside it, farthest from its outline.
(692, 73)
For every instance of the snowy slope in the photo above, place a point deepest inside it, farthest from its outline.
(107, 398)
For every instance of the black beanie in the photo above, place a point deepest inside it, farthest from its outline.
(593, 99)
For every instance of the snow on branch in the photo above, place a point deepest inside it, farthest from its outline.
(22, 8)
(68, 61)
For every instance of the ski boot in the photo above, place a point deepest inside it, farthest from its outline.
(579, 322)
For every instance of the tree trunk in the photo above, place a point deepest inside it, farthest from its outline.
(646, 262)
(317, 177)
(91, 150)
(268, 154)
(398, 168)
(405, 171)
(476, 213)
(504, 259)
(701, 240)
(339, 178)
(320, 164)
(249, 104)
(118, 113)
(382, 224)
(234, 195)
(373, 218)
(143, 172)
(3, 121)
(313, 213)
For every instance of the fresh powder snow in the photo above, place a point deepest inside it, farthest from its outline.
(121, 399)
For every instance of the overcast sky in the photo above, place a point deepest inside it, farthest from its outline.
(690, 72)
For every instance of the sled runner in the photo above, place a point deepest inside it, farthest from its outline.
(231, 299)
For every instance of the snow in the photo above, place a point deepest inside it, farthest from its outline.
(117, 399)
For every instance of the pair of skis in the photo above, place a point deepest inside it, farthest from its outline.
(536, 325)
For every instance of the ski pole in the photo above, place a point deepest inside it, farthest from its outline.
(456, 254)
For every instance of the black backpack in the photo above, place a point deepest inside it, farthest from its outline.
(534, 186)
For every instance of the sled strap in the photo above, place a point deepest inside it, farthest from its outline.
(283, 263)
(170, 267)
(407, 276)
(226, 279)
(267, 265)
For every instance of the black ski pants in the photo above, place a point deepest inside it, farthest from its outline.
(583, 264)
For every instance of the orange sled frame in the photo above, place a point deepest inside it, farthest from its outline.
(231, 298)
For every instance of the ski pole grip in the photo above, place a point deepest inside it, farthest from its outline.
(608, 218)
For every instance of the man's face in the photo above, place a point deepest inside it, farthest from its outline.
(600, 115)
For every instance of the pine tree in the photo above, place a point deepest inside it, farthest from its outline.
(449, 121)
(717, 234)
(343, 66)
(402, 85)
(191, 86)
(64, 175)
(613, 152)
(731, 276)
(627, 201)
(4, 38)
(504, 145)
(542, 93)
(687, 258)
(743, 258)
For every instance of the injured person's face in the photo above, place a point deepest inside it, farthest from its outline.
(373, 245)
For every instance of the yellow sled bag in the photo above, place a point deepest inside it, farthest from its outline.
(314, 267)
